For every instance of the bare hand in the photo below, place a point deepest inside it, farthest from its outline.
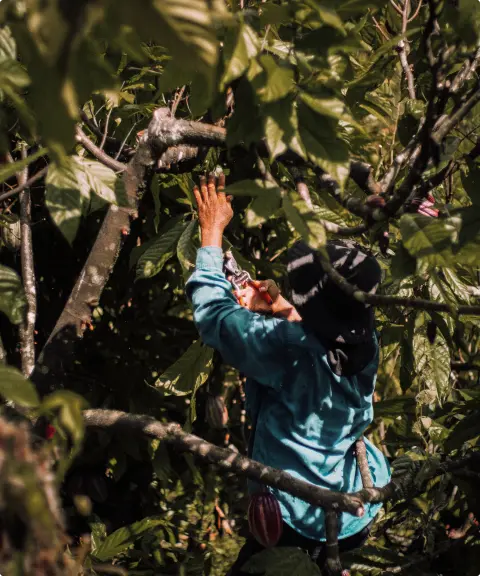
(251, 296)
(214, 209)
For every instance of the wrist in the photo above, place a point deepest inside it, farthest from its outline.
(212, 238)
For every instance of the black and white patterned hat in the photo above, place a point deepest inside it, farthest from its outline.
(321, 303)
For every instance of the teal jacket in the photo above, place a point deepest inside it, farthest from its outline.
(307, 418)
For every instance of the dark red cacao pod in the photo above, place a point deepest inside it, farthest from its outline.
(216, 412)
(375, 201)
(265, 519)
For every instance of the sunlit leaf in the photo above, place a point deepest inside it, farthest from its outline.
(189, 372)
(15, 388)
(252, 188)
(12, 295)
(124, 538)
(262, 208)
(238, 54)
(187, 248)
(160, 250)
(304, 220)
(432, 363)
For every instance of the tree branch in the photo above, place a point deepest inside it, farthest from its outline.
(362, 462)
(225, 459)
(40, 174)
(332, 564)
(99, 154)
(403, 49)
(27, 328)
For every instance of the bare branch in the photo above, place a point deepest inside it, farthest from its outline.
(332, 564)
(177, 100)
(110, 141)
(99, 154)
(403, 50)
(40, 174)
(362, 462)
(105, 132)
(27, 328)
(225, 459)
(452, 121)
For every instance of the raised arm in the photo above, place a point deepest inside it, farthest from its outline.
(255, 344)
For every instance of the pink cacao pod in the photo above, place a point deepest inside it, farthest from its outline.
(265, 519)
(216, 412)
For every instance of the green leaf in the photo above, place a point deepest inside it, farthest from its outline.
(65, 197)
(471, 181)
(252, 188)
(282, 561)
(161, 249)
(9, 170)
(432, 363)
(15, 388)
(276, 83)
(13, 74)
(322, 145)
(304, 220)
(394, 407)
(8, 47)
(262, 208)
(124, 538)
(467, 429)
(12, 296)
(327, 14)
(429, 240)
(70, 408)
(281, 128)
(332, 107)
(187, 248)
(189, 372)
(237, 56)
(105, 183)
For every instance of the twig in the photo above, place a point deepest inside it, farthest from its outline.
(402, 48)
(417, 11)
(105, 132)
(177, 100)
(27, 328)
(124, 141)
(40, 174)
(99, 154)
(452, 121)
(111, 141)
(380, 29)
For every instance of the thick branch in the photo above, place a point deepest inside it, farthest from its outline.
(333, 564)
(27, 328)
(223, 458)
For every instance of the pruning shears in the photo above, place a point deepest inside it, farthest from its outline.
(240, 279)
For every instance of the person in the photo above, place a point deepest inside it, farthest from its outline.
(311, 370)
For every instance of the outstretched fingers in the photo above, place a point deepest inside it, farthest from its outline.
(204, 189)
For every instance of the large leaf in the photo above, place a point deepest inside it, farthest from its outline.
(323, 146)
(124, 538)
(8, 47)
(67, 190)
(160, 250)
(12, 295)
(471, 181)
(304, 220)
(252, 188)
(429, 240)
(262, 208)
(276, 81)
(238, 52)
(105, 183)
(15, 388)
(187, 248)
(467, 429)
(281, 128)
(394, 407)
(432, 363)
(189, 372)
(282, 561)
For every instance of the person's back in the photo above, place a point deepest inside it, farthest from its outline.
(311, 383)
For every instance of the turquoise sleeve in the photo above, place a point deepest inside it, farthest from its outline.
(254, 344)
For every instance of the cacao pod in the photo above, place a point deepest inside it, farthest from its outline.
(375, 201)
(265, 519)
(11, 235)
(216, 412)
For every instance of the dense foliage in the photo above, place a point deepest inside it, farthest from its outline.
(327, 118)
